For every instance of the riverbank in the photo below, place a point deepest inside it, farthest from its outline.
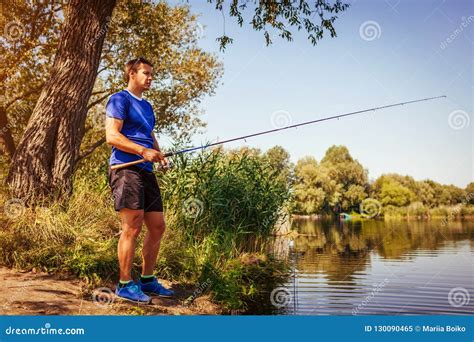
(413, 212)
(40, 293)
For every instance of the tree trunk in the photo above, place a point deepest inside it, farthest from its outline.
(43, 163)
(7, 145)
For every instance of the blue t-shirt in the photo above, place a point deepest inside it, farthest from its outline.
(138, 122)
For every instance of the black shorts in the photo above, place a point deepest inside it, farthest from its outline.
(134, 188)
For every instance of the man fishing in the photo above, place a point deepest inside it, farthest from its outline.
(129, 130)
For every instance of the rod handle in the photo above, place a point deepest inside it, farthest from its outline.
(135, 162)
(119, 166)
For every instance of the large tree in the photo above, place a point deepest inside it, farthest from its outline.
(309, 192)
(349, 175)
(168, 36)
(338, 179)
(44, 161)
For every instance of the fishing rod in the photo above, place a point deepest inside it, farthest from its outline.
(170, 154)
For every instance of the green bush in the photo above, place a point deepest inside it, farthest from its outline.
(440, 211)
(391, 211)
(467, 211)
(231, 193)
(417, 209)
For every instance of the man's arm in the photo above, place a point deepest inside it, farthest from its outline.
(118, 140)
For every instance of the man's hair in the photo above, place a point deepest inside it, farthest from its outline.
(133, 65)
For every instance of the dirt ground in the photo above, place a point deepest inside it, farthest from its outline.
(31, 293)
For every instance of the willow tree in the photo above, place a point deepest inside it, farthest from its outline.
(44, 160)
(43, 163)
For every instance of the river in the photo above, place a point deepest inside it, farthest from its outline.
(377, 267)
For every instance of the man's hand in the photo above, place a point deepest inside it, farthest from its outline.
(154, 156)
(164, 160)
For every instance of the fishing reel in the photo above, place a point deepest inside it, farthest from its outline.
(162, 168)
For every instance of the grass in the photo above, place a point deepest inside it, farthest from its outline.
(220, 210)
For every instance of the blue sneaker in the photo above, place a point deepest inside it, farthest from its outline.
(133, 293)
(155, 288)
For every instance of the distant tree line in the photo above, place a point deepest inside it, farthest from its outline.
(340, 183)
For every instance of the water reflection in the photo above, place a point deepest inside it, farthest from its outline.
(379, 267)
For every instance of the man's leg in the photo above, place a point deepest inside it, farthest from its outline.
(132, 221)
(156, 226)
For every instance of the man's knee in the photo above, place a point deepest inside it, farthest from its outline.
(157, 228)
(131, 231)
(132, 224)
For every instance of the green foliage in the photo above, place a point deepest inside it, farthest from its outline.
(27, 47)
(338, 179)
(246, 282)
(397, 190)
(308, 189)
(230, 193)
(470, 193)
(393, 193)
(281, 16)
(183, 73)
(279, 160)
(417, 209)
(78, 238)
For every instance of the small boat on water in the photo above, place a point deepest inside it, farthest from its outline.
(345, 217)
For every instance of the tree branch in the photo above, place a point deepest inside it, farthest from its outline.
(91, 149)
(99, 100)
(22, 96)
(99, 92)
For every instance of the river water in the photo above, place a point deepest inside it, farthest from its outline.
(377, 267)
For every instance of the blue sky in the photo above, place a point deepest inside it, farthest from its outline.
(408, 58)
